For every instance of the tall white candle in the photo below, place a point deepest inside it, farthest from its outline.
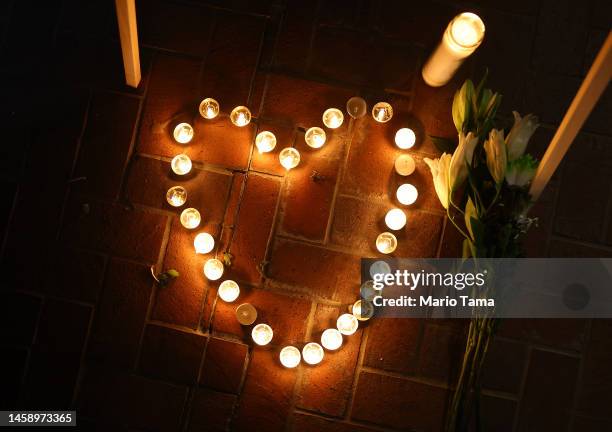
(461, 38)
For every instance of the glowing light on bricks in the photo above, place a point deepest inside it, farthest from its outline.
(382, 112)
(190, 218)
(240, 116)
(203, 243)
(331, 339)
(229, 291)
(290, 356)
(213, 269)
(209, 108)
(386, 243)
(262, 334)
(289, 158)
(405, 138)
(183, 133)
(315, 137)
(407, 194)
(176, 196)
(312, 353)
(265, 141)
(404, 165)
(181, 164)
(347, 324)
(356, 107)
(363, 310)
(333, 118)
(246, 314)
(395, 219)
(460, 39)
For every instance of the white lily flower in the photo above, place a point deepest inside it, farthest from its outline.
(439, 171)
(462, 157)
(520, 134)
(521, 171)
(495, 147)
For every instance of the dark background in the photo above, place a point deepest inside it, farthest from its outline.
(85, 169)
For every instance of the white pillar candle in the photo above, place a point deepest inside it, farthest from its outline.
(404, 165)
(461, 38)
(290, 356)
(312, 353)
(331, 339)
(386, 243)
(246, 314)
(262, 334)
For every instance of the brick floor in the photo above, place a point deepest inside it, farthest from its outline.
(87, 162)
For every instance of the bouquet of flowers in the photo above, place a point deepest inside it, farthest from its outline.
(484, 187)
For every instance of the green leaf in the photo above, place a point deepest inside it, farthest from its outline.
(470, 213)
(445, 145)
(172, 273)
(461, 107)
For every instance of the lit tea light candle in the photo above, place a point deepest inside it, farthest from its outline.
(289, 158)
(209, 108)
(265, 141)
(367, 291)
(363, 310)
(183, 133)
(213, 269)
(333, 118)
(404, 165)
(347, 324)
(356, 107)
(203, 243)
(229, 291)
(190, 218)
(315, 137)
(246, 314)
(460, 39)
(240, 116)
(379, 267)
(312, 353)
(176, 196)
(290, 356)
(382, 112)
(331, 339)
(262, 334)
(407, 194)
(395, 219)
(181, 164)
(405, 138)
(386, 243)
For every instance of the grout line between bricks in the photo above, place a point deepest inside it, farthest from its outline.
(580, 374)
(522, 386)
(359, 367)
(297, 387)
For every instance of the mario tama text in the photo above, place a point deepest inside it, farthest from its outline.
(431, 301)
